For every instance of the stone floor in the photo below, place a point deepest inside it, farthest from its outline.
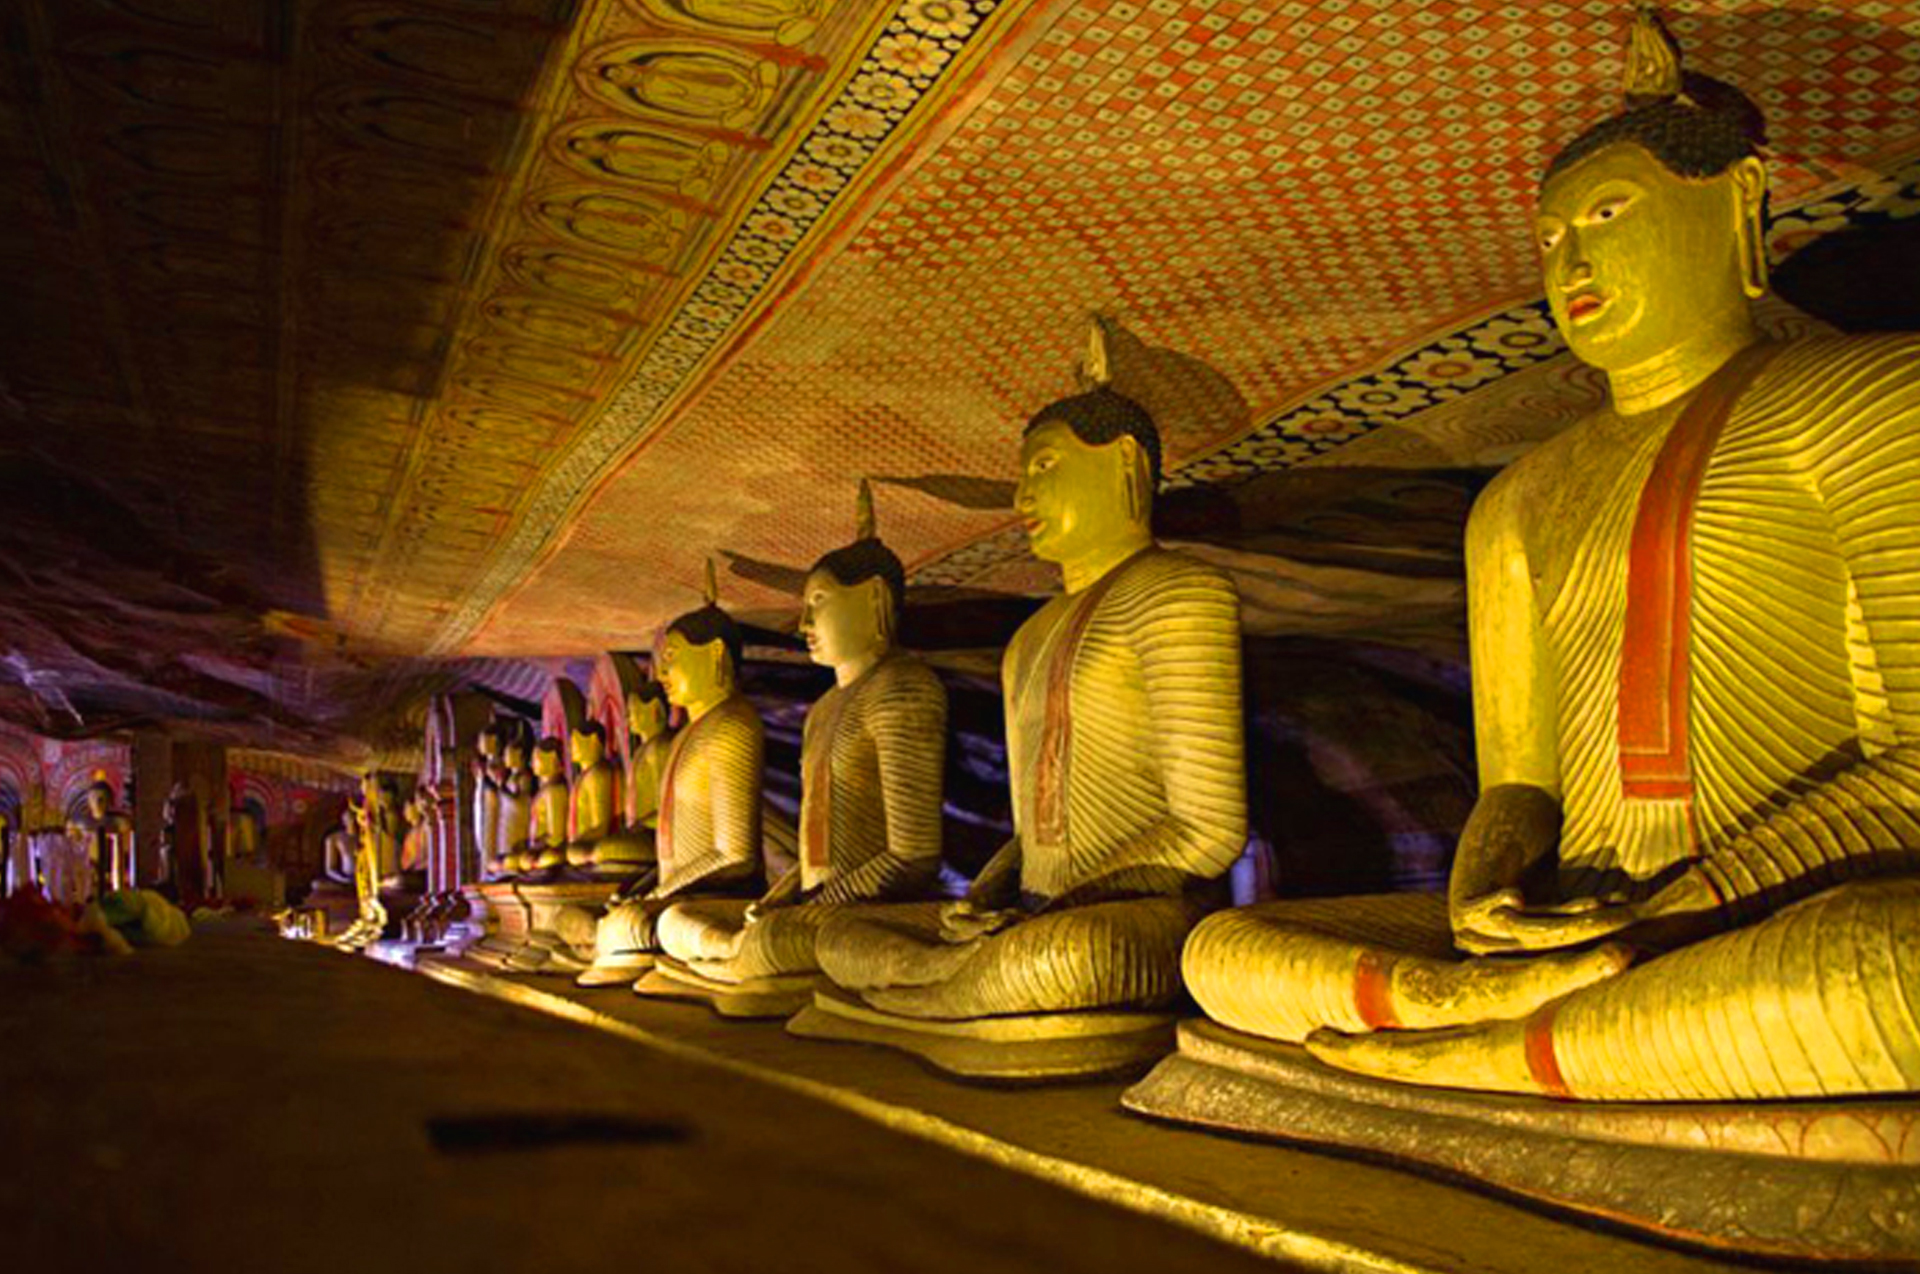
(243, 1103)
(1307, 1209)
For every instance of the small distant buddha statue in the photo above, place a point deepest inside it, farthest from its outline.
(1696, 678)
(708, 839)
(105, 836)
(340, 848)
(488, 772)
(649, 740)
(514, 829)
(1125, 750)
(552, 806)
(871, 761)
(602, 844)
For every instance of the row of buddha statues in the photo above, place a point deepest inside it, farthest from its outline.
(1693, 871)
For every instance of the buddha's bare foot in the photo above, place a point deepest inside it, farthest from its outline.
(1491, 1057)
(1430, 993)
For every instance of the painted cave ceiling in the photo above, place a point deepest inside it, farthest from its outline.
(355, 350)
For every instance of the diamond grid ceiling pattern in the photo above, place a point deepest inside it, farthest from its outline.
(1293, 194)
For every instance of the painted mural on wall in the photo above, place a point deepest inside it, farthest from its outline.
(42, 780)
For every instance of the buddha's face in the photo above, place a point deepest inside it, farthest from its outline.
(586, 749)
(1635, 256)
(516, 757)
(546, 760)
(488, 745)
(842, 622)
(1072, 496)
(98, 802)
(646, 717)
(692, 674)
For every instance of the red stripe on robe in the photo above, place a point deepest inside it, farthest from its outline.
(1051, 767)
(816, 791)
(1654, 655)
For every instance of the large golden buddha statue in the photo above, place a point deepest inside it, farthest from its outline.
(602, 843)
(871, 761)
(708, 839)
(1695, 625)
(1125, 749)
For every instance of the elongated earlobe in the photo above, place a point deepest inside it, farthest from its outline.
(1750, 183)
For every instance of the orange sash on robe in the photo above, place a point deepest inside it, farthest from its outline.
(816, 793)
(1050, 771)
(1654, 654)
(663, 829)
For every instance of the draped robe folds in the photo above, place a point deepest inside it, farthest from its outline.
(1735, 666)
(1125, 748)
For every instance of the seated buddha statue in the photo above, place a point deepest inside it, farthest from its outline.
(602, 844)
(1124, 741)
(514, 828)
(1696, 682)
(708, 838)
(552, 806)
(105, 836)
(871, 761)
(488, 772)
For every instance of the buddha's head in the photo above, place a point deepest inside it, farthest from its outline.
(513, 752)
(547, 762)
(589, 744)
(98, 799)
(350, 819)
(487, 743)
(1651, 223)
(699, 656)
(647, 711)
(851, 603)
(1089, 466)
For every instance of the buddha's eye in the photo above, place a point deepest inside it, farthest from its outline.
(1607, 209)
(1549, 235)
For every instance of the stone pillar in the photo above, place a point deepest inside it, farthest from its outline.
(152, 780)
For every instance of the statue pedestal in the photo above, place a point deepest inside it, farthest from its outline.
(780, 996)
(335, 907)
(1805, 1180)
(1031, 1047)
(509, 926)
(562, 918)
(468, 921)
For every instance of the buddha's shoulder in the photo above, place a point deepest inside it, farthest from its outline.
(903, 674)
(1157, 571)
(733, 718)
(1841, 382)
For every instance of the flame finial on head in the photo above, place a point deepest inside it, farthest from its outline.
(712, 585)
(1654, 64)
(1096, 371)
(865, 527)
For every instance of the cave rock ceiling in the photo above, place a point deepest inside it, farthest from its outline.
(356, 347)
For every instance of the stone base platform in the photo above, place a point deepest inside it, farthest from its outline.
(771, 997)
(509, 923)
(1807, 1181)
(562, 915)
(1031, 1048)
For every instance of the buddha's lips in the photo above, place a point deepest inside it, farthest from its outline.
(1585, 305)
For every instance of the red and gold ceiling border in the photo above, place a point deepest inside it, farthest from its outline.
(914, 57)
